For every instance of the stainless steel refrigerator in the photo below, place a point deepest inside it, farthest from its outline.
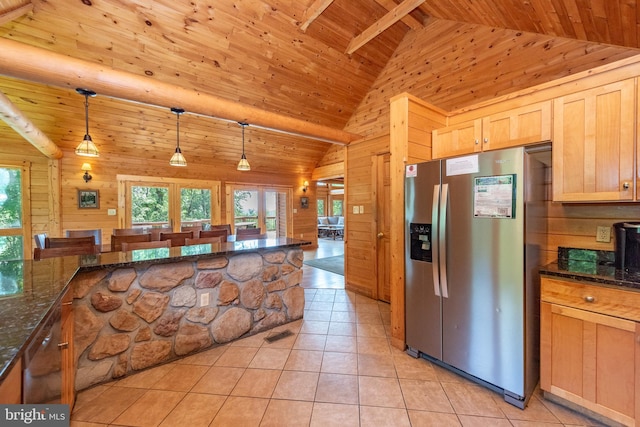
(475, 226)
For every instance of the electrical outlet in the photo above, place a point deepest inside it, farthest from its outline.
(603, 234)
(111, 212)
(204, 299)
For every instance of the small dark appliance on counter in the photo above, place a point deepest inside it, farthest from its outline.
(627, 250)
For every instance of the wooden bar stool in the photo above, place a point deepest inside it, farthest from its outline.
(131, 246)
(221, 233)
(177, 238)
(117, 240)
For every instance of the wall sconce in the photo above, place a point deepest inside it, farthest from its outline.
(305, 185)
(86, 167)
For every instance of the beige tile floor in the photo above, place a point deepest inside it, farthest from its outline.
(336, 369)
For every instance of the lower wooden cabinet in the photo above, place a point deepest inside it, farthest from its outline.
(11, 387)
(590, 347)
(66, 348)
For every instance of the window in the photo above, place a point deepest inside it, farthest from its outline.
(15, 224)
(157, 202)
(259, 207)
(336, 208)
(320, 204)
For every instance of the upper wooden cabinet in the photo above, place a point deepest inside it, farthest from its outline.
(520, 126)
(593, 144)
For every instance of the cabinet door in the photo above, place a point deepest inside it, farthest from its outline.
(593, 144)
(517, 127)
(463, 138)
(590, 359)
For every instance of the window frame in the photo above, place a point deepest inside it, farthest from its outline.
(231, 187)
(25, 190)
(175, 185)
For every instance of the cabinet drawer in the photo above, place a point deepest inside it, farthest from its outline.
(621, 303)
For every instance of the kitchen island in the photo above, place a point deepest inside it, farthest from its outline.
(141, 308)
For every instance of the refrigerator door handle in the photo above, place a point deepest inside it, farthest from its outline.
(442, 240)
(434, 233)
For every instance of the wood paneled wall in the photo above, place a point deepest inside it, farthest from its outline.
(453, 65)
(105, 171)
(54, 204)
(360, 240)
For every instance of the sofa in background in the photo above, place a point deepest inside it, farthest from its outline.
(331, 226)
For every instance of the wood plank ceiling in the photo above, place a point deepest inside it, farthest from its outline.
(286, 57)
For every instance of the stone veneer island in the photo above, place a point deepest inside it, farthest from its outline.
(136, 315)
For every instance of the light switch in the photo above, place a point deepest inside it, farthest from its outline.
(356, 210)
(111, 212)
(361, 209)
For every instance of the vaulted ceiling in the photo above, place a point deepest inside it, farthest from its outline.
(295, 70)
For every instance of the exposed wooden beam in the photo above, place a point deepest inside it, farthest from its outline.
(393, 16)
(9, 15)
(409, 20)
(12, 116)
(312, 13)
(35, 64)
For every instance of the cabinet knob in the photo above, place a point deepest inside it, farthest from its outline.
(477, 142)
(380, 235)
(589, 298)
(486, 140)
(625, 185)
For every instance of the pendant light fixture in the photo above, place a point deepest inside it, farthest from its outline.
(243, 165)
(87, 148)
(177, 159)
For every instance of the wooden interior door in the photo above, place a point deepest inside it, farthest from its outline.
(383, 225)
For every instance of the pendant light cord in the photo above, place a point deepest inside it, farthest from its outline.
(178, 130)
(86, 113)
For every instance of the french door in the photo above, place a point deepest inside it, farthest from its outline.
(165, 202)
(267, 208)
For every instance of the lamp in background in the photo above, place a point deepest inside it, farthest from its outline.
(177, 159)
(243, 165)
(305, 186)
(87, 148)
(86, 167)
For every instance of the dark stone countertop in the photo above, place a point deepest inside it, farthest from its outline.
(596, 267)
(29, 290)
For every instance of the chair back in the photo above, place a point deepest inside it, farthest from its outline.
(67, 242)
(247, 231)
(222, 234)
(39, 238)
(96, 233)
(226, 227)
(203, 240)
(177, 238)
(117, 240)
(195, 228)
(131, 246)
(127, 231)
(42, 253)
(155, 232)
(250, 236)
